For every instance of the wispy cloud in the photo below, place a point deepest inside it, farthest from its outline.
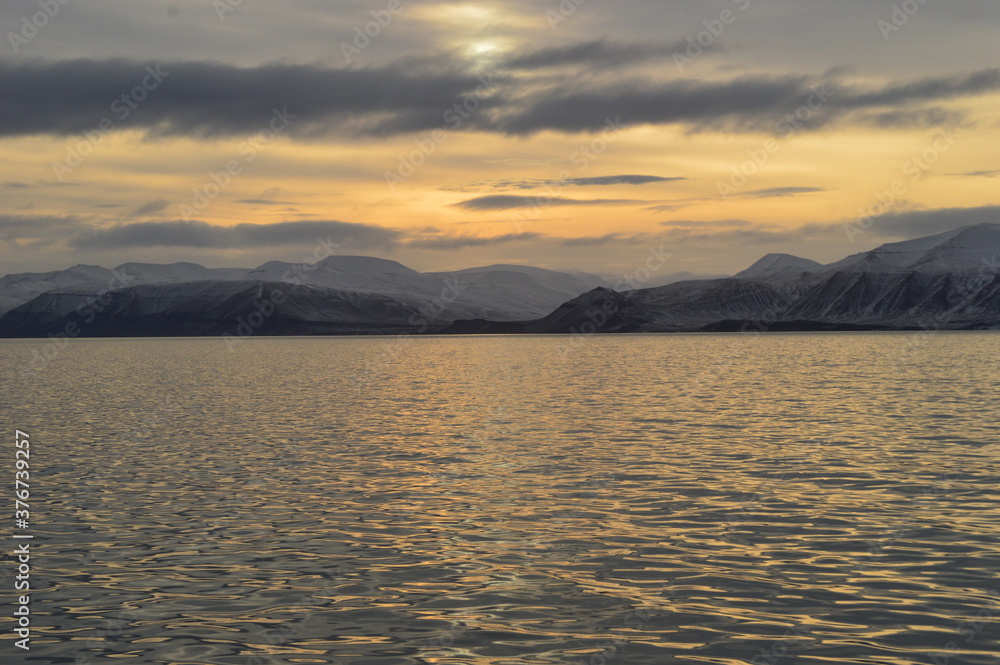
(978, 174)
(264, 202)
(462, 241)
(775, 192)
(917, 223)
(539, 183)
(41, 228)
(152, 208)
(598, 53)
(606, 239)
(506, 202)
(620, 180)
(198, 234)
(719, 223)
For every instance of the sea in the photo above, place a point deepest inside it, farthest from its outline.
(742, 499)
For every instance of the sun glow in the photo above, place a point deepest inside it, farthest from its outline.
(485, 51)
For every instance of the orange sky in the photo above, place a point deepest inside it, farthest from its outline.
(797, 195)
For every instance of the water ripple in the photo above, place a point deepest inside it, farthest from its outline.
(642, 499)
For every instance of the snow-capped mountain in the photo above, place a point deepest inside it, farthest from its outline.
(17, 289)
(946, 281)
(949, 280)
(33, 303)
(964, 250)
(237, 308)
(500, 292)
(779, 265)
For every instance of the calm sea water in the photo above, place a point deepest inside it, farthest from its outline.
(818, 499)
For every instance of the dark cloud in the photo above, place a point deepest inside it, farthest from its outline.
(16, 185)
(151, 208)
(203, 235)
(744, 104)
(774, 192)
(978, 174)
(905, 119)
(620, 180)
(37, 226)
(900, 225)
(720, 223)
(917, 223)
(926, 89)
(459, 242)
(594, 107)
(671, 207)
(600, 241)
(737, 237)
(213, 99)
(264, 202)
(598, 53)
(538, 183)
(519, 162)
(505, 202)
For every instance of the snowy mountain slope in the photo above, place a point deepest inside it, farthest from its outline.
(689, 305)
(950, 280)
(212, 308)
(501, 292)
(514, 292)
(779, 265)
(20, 288)
(968, 249)
(356, 272)
(902, 299)
(175, 273)
(683, 306)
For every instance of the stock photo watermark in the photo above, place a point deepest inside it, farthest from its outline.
(785, 127)
(224, 7)
(32, 25)
(582, 159)
(219, 181)
(700, 43)
(22, 550)
(899, 17)
(57, 342)
(365, 34)
(247, 324)
(913, 170)
(453, 117)
(122, 107)
(600, 314)
(562, 13)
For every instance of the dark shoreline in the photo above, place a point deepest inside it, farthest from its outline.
(723, 327)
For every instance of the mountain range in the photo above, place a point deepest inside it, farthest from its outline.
(337, 295)
(946, 281)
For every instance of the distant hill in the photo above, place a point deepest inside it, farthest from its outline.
(340, 294)
(945, 281)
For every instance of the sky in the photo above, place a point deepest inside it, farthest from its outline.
(568, 134)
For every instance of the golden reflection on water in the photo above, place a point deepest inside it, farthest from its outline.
(636, 499)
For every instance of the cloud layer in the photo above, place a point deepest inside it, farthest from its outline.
(197, 234)
(506, 202)
(215, 99)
